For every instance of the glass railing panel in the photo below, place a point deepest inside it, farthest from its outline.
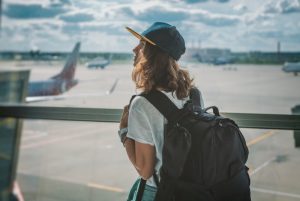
(63, 160)
(273, 163)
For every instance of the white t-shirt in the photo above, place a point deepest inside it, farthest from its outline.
(146, 125)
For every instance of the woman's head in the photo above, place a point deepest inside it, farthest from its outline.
(155, 58)
(154, 68)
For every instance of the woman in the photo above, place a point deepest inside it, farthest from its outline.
(141, 129)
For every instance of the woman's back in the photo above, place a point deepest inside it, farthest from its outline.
(146, 125)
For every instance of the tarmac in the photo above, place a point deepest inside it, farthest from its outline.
(64, 160)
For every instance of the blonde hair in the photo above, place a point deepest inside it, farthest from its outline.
(156, 69)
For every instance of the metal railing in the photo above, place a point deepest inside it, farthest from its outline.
(244, 120)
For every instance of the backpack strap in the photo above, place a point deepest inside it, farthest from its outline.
(163, 104)
(195, 96)
(167, 108)
(141, 189)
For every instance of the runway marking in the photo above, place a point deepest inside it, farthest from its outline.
(260, 138)
(53, 131)
(261, 166)
(103, 187)
(52, 141)
(59, 139)
(275, 192)
(256, 140)
(34, 135)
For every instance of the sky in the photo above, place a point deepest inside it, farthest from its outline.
(239, 25)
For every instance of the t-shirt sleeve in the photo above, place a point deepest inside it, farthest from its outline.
(139, 125)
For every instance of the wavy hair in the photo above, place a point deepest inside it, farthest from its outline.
(156, 69)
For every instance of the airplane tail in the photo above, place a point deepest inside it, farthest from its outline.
(68, 71)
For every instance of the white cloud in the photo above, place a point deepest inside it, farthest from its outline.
(100, 24)
(212, 19)
(201, 1)
(282, 6)
(77, 17)
(240, 7)
(158, 11)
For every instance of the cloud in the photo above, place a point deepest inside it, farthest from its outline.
(31, 11)
(281, 36)
(156, 13)
(60, 3)
(111, 29)
(77, 17)
(167, 13)
(72, 29)
(202, 1)
(195, 1)
(222, 1)
(53, 24)
(211, 19)
(283, 7)
(240, 8)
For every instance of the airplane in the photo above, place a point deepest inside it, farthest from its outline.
(293, 67)
(99, 62)
(55, 87)
(222, 61)
(58, 84)
(209, 58)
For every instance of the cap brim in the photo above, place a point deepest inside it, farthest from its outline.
(139, 36)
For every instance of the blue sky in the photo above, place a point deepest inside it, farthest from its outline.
(241, 25)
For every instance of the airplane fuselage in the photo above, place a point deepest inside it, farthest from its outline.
(99, 62)
(103, 65)
(291, 67)
(50, 87)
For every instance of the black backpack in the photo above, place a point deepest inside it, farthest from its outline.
(204, 154)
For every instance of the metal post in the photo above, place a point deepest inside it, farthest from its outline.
(296, 110)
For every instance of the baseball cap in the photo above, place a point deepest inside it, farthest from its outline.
(165, 36)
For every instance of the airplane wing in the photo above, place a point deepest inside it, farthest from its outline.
(113, 87)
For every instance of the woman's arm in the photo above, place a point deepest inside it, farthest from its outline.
(142, 156)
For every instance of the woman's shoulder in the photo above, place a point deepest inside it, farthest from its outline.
(140, 103)
(178, 102)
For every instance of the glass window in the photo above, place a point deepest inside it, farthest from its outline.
(272, 163)
(62, 160)
(243, 55)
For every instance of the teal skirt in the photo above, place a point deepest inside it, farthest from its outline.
(148, 195)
